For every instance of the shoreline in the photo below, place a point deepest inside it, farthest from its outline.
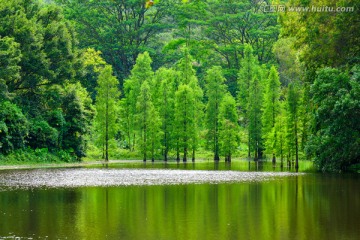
(62, 165)
(35, 165)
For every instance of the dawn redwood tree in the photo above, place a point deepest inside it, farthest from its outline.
(164, 101)
(107, 108)
(248, 69)
(215, 91)
(254, 113)
(148, 122)
(141, 72)
(271, 111)
(280, 136)
(228, 127)
(185, 119)
(188, 77)
(293, 121)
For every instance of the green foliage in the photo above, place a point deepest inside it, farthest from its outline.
(119, 29)
(165, 103)
(185, 121)
(10, 57)
(278, 133)
(93, 63)
(77, 113)
(246, 73)
(40, 155)
(13, 127)
(288, 58)
(254, 113)
(191, 106)
(42, 135)
(271, 110)
(215, 91)
(39, 59)
(231, 25)
(293, 121)
(44, 39)
(141, 72)
(107, 109)
(335, 142)
(336, 33)
(185, 68)
(228, 127)
(148, 122)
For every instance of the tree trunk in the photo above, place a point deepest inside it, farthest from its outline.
(185, 154)
(296, 150)
(107, 133)
(249, 148)
(216, 140)
(177, 152)
(166, 146)
(152, 151)
(166, 154)
(144, 147)
(133, 145)
(274, 159)
(193, 155)
(228, 157)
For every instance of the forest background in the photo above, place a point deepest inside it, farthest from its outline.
(180, 80)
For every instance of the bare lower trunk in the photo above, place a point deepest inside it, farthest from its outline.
(166, 154)
(296, 150)
(185, 154)
(274, 159)
(177, 152)
(228, 157)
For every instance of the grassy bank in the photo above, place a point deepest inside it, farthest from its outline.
(38, 156)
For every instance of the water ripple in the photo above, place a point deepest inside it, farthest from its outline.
(70, 178)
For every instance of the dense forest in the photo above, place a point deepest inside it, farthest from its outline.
(180, 80)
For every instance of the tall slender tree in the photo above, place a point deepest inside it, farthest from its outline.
(248, 69)
(148, 122)
(188, 77)
(215, 90)
(254, 113)
(184, 119)
(271, 111)
(228, 127)
(164, 102)
(280, 129)
(141, 71)
(293, 121)
(107, 108)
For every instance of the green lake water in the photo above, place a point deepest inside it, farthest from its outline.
(300, 206)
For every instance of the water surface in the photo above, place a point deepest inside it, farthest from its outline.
(177, 203)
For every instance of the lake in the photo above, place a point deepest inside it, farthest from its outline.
(178, 201)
